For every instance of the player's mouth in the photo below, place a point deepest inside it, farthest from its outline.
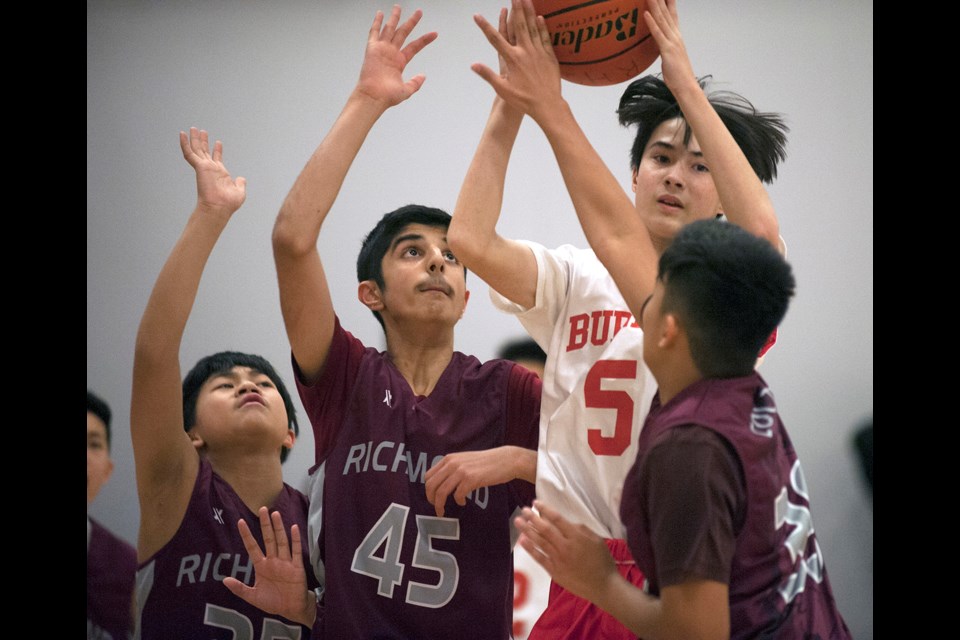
(252, 397)
(670, 202)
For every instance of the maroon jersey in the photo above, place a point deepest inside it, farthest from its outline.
(179, 590)
(393, 569)
(778, 582)
(111, 568)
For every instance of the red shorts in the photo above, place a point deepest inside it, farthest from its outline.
(572, 618)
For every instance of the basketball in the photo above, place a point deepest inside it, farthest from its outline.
(599, 42)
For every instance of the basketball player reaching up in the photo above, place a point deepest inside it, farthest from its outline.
(392, 567)
(208, 451)
(694, 156)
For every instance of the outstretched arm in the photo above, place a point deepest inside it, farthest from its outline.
(744, 199)
(578, 560)
(532, 84)
(304, 296)
(166, 461)
(281, 582)
(507, 266)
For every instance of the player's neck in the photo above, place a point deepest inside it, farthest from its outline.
(421, 365)
(256, 479)
(671, 380)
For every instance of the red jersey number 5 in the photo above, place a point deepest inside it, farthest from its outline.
(597, 398)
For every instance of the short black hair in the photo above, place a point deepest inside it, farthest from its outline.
(377, 242)
(99, 407)
(729, 288)
(523, 349)
(647, 103)
(221, 363)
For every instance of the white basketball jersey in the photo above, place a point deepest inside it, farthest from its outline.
(596, 388)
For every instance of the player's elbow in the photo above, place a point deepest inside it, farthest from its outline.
(465, 244)
(288, 240)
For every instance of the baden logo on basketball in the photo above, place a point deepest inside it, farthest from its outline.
(599, 42)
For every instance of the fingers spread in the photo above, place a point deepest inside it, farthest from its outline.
(249, 542)
(283, 549)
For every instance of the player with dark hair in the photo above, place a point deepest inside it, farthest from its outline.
(687, 165)
(222, 363)
(111, 561)
(208, 451)
(716, 507)
(399, 431)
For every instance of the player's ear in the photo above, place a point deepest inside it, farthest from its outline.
(369, 295)
(672, 330)
(196, 440)
(290, 439)
(633, 181)
(466, 298)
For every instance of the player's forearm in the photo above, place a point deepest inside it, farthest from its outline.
(636, 610)
(744, 199)
(473, 226)
(607, 216)
(306, 206)
(524, 463)
(175, 290)
(696, 610)
(505, 265)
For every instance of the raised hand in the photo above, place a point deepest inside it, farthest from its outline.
(529, 77)
(576, 558)
(661, 19)
(215, 188)
(386, 58)
(281, 582)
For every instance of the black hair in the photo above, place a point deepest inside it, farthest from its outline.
(221, 363)
(523, 349)
(377, 242)
(647, 103)
(99, 407)
(729, 288)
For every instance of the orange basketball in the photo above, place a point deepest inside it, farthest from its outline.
(599, 42)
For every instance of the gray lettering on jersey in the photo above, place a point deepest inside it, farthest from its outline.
(276, 630)
(763, 418)
(399, 457)
(354, 456)
(791, 513)
(188, 567)
(444, 563)
(364, 457)
(481, 496)
(378, 556)
(236, 571)
(242, 628)
(377, 465)
(235, 621)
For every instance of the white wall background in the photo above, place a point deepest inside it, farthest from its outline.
(269, 78)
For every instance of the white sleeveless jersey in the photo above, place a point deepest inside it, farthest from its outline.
(596, 388)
